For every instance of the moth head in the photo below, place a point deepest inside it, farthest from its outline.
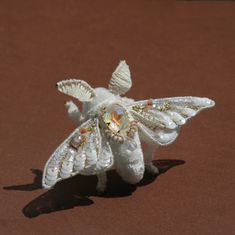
(119, 84)
(103, 97)
(120, 81)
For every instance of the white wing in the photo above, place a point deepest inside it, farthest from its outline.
(79, 89)
(120, 82)
(160, 119)
(84, 152)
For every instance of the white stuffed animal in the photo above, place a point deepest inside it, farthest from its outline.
(111, 128)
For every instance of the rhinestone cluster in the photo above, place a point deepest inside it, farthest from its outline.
(118, 123)
(143, 113)
(142, 108)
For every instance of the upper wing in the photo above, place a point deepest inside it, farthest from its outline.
(78, 89)
(84, 152)
(121, 81)
(160, 119)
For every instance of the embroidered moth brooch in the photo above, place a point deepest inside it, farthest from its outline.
(111, 128)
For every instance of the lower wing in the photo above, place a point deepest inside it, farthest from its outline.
(84, 152)
(160, 119)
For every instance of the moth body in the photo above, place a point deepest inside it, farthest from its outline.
(129, 161)
(129, 164)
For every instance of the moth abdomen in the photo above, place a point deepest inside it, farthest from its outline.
(129, 163)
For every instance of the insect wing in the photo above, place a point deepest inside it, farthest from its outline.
(121, 81)
(78, 89)
(160, 119)
(84, 152)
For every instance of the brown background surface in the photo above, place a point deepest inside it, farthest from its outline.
(173, 48)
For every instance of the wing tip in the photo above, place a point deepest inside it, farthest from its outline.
(212, 103)
(209, 103)
(204, 102)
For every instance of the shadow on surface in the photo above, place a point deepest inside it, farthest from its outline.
(28, 187)
(76, 191)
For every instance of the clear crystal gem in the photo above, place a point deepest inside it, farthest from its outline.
(116, 118)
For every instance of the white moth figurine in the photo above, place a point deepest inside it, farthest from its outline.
(111, 128)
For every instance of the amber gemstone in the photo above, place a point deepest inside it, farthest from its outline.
(83, 130)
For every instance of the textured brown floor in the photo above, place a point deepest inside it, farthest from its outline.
(173, 48)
